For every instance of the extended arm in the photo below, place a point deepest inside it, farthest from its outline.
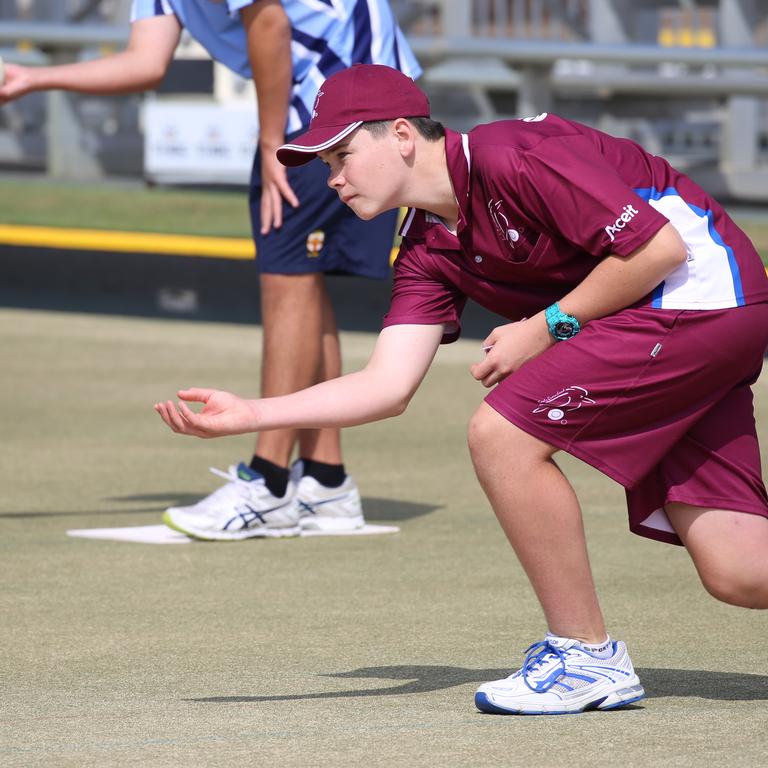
(141, 66)
(615, 283)
(401, 358)
(268, 31)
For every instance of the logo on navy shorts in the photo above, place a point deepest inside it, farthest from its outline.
(558, 405)
(315, 243)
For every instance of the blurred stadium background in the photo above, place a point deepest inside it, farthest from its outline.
(686, 78)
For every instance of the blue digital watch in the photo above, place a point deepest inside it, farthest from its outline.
(561, 326)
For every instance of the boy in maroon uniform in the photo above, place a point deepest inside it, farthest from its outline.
(638, 322)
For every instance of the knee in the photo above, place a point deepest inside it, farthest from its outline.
(483, 433)
(491, 438)
(744, 590)
(475, 432)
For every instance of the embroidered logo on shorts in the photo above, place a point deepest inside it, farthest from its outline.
(315, 243)
(558, 405)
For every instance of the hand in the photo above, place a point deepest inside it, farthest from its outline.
(222, 414)
(18, 82)
(509, 346)
(274, 187)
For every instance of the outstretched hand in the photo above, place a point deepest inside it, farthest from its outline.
(223, 414)
(18, 82)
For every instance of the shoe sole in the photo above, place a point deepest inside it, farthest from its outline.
(246, 533)
(611, 700)
(332, 523)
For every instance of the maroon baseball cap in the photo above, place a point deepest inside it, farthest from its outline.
(349, 98)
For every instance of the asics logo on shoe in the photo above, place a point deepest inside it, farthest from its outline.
(310, 506)
(249, 516)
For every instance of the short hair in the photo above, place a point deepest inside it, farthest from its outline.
(427, 128)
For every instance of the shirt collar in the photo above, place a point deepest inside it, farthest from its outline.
(416, 222)
(458, 159)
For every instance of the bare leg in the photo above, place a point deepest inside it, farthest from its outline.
(539, 512)
(294, 317)
(729, 550)
(325, 444)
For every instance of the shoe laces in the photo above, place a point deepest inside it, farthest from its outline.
(236, 486)
(536, 656)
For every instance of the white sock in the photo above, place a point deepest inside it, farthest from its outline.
(602, 650)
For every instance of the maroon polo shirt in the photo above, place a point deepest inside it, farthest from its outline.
(541, 202)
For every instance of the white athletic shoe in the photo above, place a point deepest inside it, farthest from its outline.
(242, 509)
(328, 509)
(559, 677)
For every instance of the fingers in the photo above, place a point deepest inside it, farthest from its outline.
(180, 419)
(192, 420)
(482, 368)
(271, 207)
(170, 416)
(287, 192)
(269, 217)
(196, 394)
(487, 370)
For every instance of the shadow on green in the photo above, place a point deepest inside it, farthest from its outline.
(658, 683)
(376, 509)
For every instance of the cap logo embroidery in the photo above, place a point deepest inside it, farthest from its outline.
(314, 106)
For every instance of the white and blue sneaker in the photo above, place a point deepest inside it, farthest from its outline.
(327, 509)
(242, 509)
(559, 676)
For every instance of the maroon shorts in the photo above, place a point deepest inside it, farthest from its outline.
(658, 400)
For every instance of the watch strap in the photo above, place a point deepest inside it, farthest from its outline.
(561, 325)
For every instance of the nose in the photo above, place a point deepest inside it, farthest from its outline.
(334, 179)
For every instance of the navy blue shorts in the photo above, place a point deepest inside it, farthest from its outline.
(322, 234)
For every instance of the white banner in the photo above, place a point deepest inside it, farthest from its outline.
(198, 142)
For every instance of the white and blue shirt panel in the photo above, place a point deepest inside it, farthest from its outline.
(327, 35)
(710, 278)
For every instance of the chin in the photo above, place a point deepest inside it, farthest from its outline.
(368, 212)
(361, 211)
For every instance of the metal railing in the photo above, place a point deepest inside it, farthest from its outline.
(532, 54)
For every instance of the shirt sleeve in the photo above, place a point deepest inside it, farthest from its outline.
(421, 297)
(568, 188)
(146, 9)
(235, 6)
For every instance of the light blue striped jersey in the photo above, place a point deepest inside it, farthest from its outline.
(327, 35)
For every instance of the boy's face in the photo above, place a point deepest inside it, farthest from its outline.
(366, 172)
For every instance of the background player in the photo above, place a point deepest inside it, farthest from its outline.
(647, 323)
(288, 49)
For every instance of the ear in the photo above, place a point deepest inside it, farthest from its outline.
(405, 134)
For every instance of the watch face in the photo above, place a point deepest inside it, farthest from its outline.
(564, 330)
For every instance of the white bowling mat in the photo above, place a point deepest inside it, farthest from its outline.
(162, 534)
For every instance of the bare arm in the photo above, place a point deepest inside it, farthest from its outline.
(615, 283)
(268, 31)
(141, 66)
(401, 358)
